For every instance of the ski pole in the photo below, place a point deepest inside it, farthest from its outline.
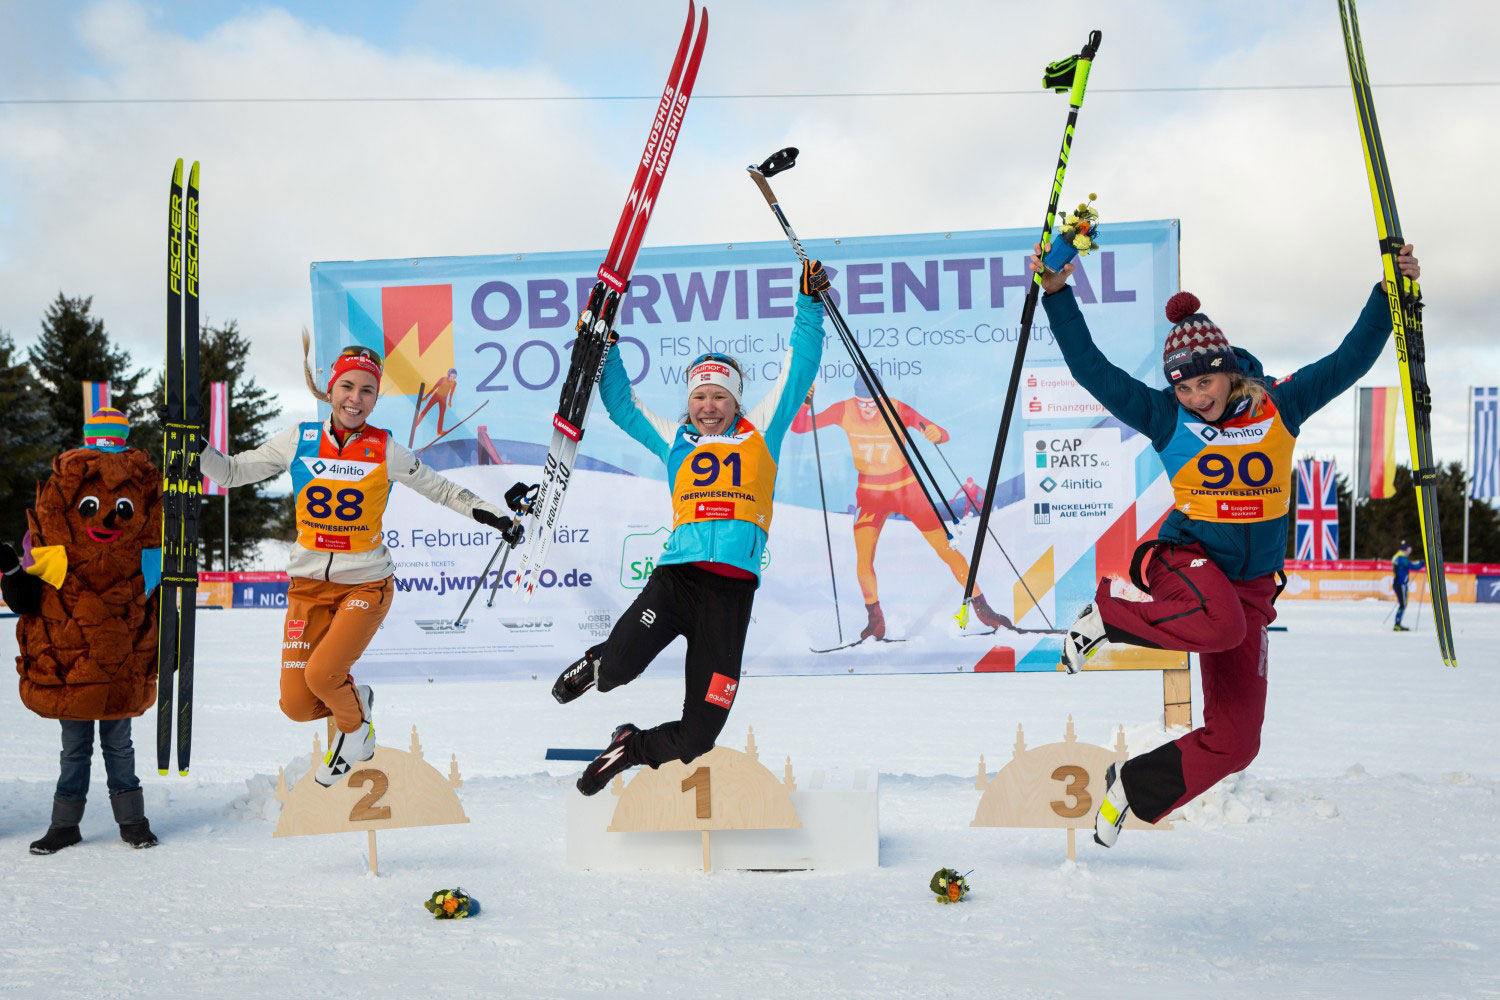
(785, 159)
(499, 575)
(812, 411)
(521, 499)
(1418, 623)
(1071, 73)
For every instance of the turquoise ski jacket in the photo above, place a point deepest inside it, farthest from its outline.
(738, 543)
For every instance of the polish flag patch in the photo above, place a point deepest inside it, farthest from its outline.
(295, 627)
(721, 690)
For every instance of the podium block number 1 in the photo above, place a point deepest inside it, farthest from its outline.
(699, 779)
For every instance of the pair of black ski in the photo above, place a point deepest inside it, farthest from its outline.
(1404, 297)
(182, 485)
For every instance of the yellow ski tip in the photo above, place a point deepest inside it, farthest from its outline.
(182, 773)
(963, 615)
(162, 771)
(177, 173)
(193, 176)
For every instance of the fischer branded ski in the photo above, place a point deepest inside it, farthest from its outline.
(1069, 74)
(182, 483)
(1406, 325)
(595, 329)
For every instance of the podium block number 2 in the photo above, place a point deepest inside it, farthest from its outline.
(1076, 788)
(365, 808)
(699, 779)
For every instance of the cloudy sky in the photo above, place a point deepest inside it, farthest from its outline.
(1236, 118)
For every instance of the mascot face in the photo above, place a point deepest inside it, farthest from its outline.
(105, 522)
(101, 501)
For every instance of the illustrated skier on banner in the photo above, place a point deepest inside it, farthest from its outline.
(441, 396)
(721, 469)
(83, 587)
(1225, 433)
(342, 574)
(886, 485)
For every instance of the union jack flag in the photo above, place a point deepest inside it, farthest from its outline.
(1317, 511)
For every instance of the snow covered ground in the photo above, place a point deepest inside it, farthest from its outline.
(1359, 855)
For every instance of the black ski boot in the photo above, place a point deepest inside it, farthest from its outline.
(612, 761)
(64, 829)
(875, 627)
(130, 813)
(580, 676)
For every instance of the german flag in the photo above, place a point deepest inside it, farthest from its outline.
(1378, 417)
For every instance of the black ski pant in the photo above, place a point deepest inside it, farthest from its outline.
(713, 613)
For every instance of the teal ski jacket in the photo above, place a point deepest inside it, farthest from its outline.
(738, 543)
(1242, 551)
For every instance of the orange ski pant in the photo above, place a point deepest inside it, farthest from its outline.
(328, 626)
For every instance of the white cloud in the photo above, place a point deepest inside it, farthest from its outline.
(1278, 238)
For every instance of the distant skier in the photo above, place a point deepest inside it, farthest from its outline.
(342, 470)
(1401, 566)
(721, 469)
(1225, 434)
(886, 485)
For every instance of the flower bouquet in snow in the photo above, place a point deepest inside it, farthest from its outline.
(1077, 236)
(949, 886)
(452, 904)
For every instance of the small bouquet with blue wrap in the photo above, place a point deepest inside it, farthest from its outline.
(1077, 236)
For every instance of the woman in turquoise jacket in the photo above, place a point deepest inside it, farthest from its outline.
(1226, 435)
(721, 468)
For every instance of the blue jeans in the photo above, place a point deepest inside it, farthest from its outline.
(78, 749)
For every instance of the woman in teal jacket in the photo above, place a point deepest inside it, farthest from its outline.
(721, 468)
(1226, 435)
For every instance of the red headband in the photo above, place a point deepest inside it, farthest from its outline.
(346, 362)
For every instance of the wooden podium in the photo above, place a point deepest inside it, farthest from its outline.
(393, 789)
(758, 821)
(1054, 786)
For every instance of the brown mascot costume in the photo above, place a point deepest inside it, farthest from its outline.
(83, 587)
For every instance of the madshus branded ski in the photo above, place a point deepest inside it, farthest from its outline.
(1406, 326)
(595, 329)
(182, 483)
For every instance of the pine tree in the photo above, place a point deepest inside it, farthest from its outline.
(74, 348)
(31, 441)
(223, 353)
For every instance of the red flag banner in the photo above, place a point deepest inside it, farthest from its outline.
(1378, 411)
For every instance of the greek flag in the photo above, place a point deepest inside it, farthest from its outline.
(1484, 475)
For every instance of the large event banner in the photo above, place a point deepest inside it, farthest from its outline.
(476, 349)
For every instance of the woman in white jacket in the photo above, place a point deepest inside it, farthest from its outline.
(342, 470)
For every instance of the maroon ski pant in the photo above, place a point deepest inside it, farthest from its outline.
(1195, 607)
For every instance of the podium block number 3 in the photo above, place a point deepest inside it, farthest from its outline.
(365, 808)
(699, 779)
(1076, 788)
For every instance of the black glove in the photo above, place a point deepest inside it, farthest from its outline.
(520, 497)
(512, 531)
(9, 561)
(813, 279)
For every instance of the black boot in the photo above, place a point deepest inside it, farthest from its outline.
(130, 813)
(875, 627)
(64, 829)
(580, 676)
(614, 759)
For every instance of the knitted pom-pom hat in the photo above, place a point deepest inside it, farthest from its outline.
(1195, 345)
(106, 430)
